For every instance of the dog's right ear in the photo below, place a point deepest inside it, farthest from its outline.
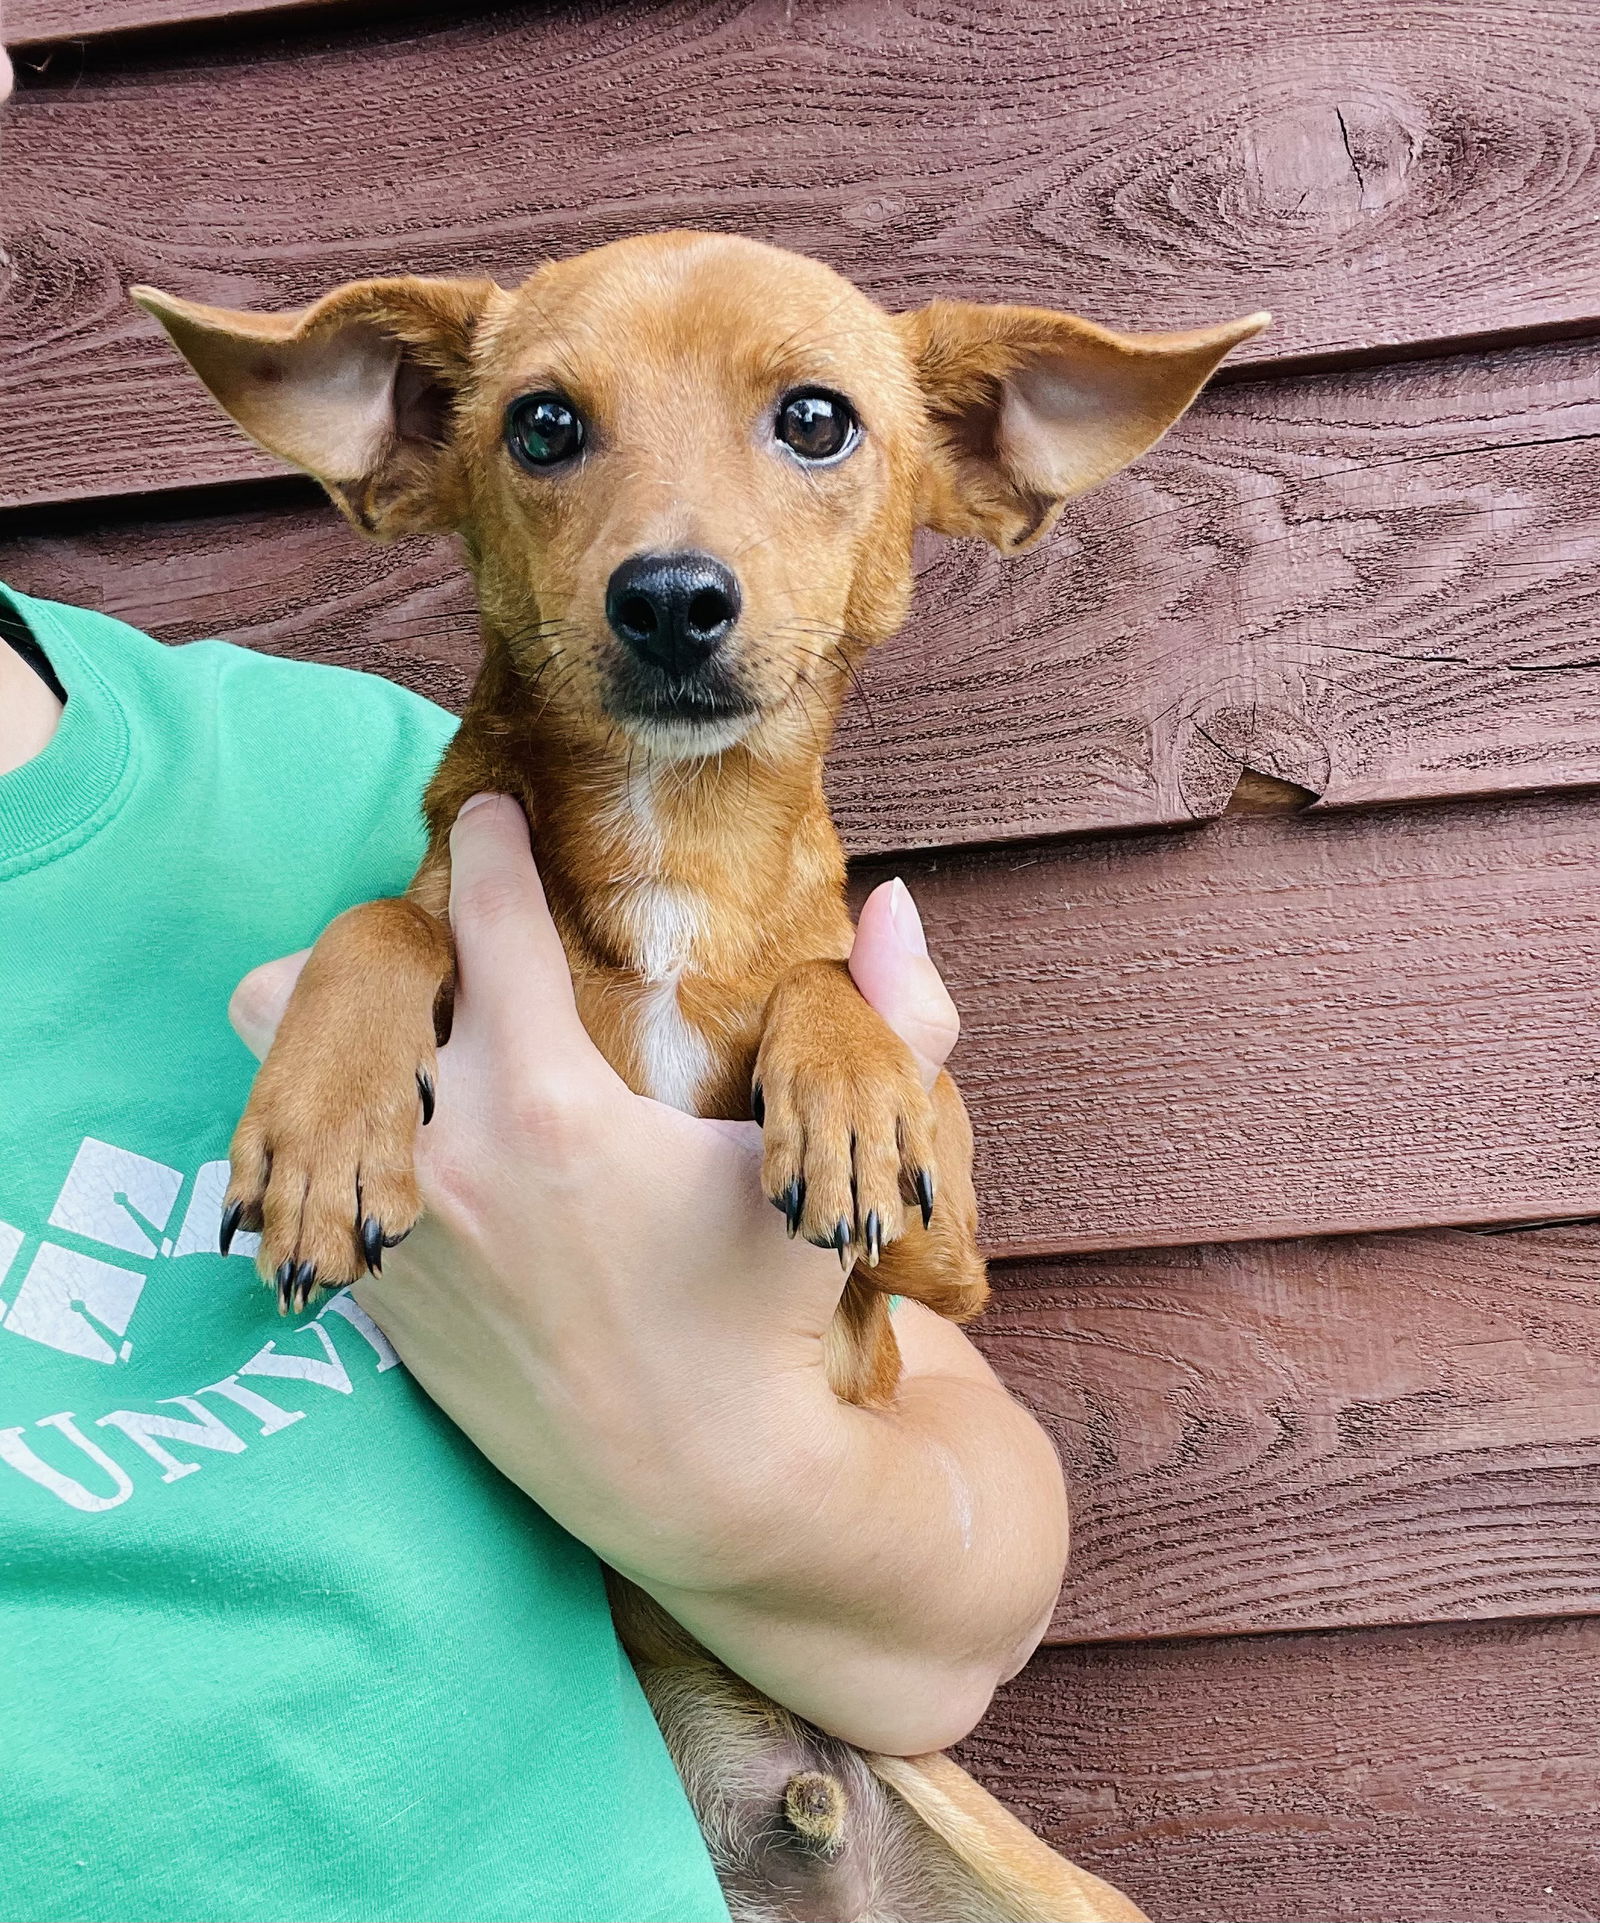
(359, 389)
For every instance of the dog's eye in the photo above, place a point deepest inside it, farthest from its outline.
(817, 425)
(542, 429)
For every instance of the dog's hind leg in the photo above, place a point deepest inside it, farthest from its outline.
(989, 1866)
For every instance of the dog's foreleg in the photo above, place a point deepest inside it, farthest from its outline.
(858, 1155)
(322, 1157)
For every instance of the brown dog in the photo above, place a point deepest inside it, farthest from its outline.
(686, 470)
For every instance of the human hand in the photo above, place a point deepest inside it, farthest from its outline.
(599, 1293)
(600, 1296)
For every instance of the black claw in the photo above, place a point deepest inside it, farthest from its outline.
(305, 1280)
(792, 1202)
(394, 1241)
(232, 1216)
(841, 1240)
(372, 1244)
(873, 1237)
(425, 1090)
(925, 1195)
(283, 1281)
(758, 1104)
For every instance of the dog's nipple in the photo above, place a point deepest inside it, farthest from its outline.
(814, 1808)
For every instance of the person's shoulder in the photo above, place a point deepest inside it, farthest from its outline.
(311, 700)
(296, 767)
(244, 702)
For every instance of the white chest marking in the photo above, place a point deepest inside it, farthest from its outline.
(661, 920)
(672, 1050)
(664, 919)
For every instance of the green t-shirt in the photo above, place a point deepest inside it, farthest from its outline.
(277, 1642)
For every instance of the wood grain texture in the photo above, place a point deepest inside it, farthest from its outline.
(1432, 1775)
(1373, 1429)
(286, 576)
(1279, 1025)
(1379, 586)
(1424, 174)
(36, 24)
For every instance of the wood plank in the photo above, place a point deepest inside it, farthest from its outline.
(1377, 182)
(1291, 1435)
(1279, 1025)
(286, 576)
(1263, 1027)
(36, 24)
(1434, 1775)
(1378, 586)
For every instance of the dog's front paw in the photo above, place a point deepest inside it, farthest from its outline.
(322, 1162)
(848, 1127)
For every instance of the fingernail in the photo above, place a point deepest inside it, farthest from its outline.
(905, 920)
(477, 801)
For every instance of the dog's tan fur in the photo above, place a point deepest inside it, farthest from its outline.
(694, 875)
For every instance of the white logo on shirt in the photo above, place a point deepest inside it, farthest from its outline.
(75, 1302)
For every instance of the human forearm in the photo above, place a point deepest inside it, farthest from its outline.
(901, 1573)
(878, 1571)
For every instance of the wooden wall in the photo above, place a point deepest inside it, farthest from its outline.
(1254, 819)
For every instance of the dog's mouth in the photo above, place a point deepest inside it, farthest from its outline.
(699, 715)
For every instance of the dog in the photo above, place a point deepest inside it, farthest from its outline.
(687, 470)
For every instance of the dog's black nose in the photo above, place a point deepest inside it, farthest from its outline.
(673, 610)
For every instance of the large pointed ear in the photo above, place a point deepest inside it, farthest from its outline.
(358, 389)
(1030, 407)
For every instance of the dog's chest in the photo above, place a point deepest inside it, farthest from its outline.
(661, 921)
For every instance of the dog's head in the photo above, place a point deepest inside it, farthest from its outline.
(687, 467)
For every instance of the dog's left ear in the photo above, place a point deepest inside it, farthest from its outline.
(358, 389)
(1031, 407)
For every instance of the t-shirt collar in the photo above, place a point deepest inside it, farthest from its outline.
(53, 803)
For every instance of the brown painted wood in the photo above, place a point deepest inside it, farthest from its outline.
(1433, 1775)
(1377, 586)
(1279, 1025)
(285, 576)
(36, 24)
(1376, 181)
(1288, 1435)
